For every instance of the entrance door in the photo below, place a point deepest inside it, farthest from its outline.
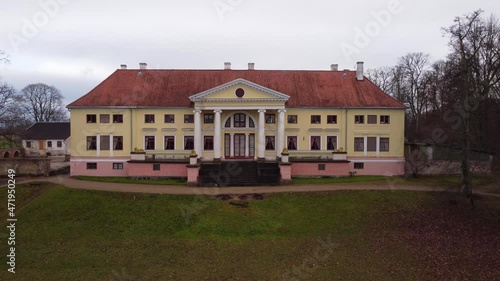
(239, 145)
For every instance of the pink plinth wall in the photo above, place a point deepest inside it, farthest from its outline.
(166, 170)
(286, 172)
(379, 166)
(192, 173)
(104, 168)
(311, 169)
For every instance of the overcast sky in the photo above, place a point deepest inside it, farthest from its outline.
(75, 44)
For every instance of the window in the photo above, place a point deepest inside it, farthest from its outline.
(291, 143)
(59, 143)
(359, 144)
(315, 143)
(103, 118)
(208, 143)
(117, 166)
(117, 143)
(384, 144)
(292, 119)
(208, 118)
(359, 166)
(385, 119)
(188, 143)
(188, 118)
(149, 143)
(149, 118)
(240, 120)
(270, 142)
(331, 119)
(371, 144)
(372, 119)
(104, 143)
(228, 123)
(321, 167)
(251, 124)
(91, 143)
(331, 142)
(315, 119)
(169, 143)
(270, 118)
(49, 143)
(117, 118)
(156, 167)
(91, 118)
(91, 166)
(169, 118)
(359, 119)
(28, 144)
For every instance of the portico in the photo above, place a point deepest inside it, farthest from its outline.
(248, 122)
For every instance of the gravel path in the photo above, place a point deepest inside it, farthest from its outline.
(180, 189)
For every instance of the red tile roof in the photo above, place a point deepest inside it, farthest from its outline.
(172, 88)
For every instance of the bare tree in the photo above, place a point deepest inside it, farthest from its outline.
(7, 98)
(4, 57)
(382, 77)
(475, 44)
(413, 67)
(43, 103)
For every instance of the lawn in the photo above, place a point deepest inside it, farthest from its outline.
(442, 181)
(131, 180)
(69, 234)
(329, 180)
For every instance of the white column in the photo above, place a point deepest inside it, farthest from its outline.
(365, 145)
(247, 144)
(231, 146)
(110, 144)
(281, 131)
(197, 132)
(378, 145)
(98, 144)
(262, 134)
(217, 134)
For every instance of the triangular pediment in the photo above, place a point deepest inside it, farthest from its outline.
(232, 91)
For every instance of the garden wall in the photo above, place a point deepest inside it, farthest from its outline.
(26, 166)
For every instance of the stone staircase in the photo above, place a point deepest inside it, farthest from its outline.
(239, 173)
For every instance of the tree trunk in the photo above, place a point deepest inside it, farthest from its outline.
(465, 163)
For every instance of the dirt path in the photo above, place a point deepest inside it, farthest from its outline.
(181, 189)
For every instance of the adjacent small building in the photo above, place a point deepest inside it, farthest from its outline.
(210, 125)
(47, 139)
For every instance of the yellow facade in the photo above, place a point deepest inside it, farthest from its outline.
(134, 128)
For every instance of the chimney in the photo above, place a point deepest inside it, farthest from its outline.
(123, 66)
(143, 65)
(227, 66)
(359, 71)
(251, 66)
(334, 67)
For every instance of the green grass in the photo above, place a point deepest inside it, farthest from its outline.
(6, 144)
(130, 180)
(445, 180)
(71, 234)
(442, 181)
(337, 180)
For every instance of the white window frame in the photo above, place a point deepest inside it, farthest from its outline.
(326, 141)
(286, 141)
(320, 141)
(164, 142)
(144, 142)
